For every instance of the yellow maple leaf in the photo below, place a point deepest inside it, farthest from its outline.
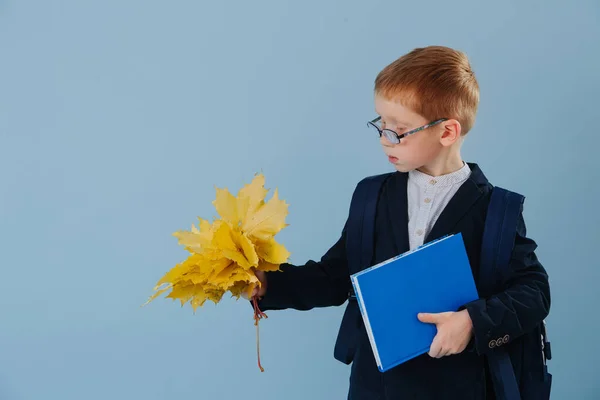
(196, 239)
(236, 246)
(241, 287)
(252, 197)
(214, 294)
(268, 219)
(272, 251)
(267, 266)
(227, 207)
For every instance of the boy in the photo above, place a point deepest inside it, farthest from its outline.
(426, 101)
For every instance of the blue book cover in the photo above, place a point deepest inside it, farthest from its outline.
(435, 277)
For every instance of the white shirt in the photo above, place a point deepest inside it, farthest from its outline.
(427, 198)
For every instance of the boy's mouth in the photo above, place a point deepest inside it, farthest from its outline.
(393, 159)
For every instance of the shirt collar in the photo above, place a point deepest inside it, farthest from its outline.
(451, 179)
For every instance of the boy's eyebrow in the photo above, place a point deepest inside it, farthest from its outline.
(393, 120)
(382, 117)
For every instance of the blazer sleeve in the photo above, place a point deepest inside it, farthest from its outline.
(315, 284)
(518, 309)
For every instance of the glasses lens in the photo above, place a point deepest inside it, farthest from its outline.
(391, 137)
(375, 128)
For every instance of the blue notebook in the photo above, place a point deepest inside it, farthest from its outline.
(435, 277)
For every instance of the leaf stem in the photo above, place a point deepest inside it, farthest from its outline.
(258, 314)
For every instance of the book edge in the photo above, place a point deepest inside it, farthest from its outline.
(367, 322)
(405, 254)
(404, 359)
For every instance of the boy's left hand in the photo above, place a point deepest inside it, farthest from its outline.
(454, 331)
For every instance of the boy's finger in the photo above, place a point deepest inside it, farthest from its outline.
(428, 318)
(444, 353)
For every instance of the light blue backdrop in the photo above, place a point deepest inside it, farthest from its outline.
(117, 118)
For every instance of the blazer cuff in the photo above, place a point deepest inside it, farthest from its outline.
(486, 335)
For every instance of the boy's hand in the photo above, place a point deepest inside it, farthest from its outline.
(454, 331)
(259, 292)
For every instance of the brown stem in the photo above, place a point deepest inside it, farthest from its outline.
(258, 314)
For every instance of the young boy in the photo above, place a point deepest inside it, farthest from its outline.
(426, 101)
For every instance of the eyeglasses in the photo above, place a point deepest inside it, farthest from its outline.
(395, 138)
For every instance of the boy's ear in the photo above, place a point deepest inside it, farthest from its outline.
(451, 133)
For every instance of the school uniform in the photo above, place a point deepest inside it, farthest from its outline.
(413, 209)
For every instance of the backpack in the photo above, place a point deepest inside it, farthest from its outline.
(498, 239)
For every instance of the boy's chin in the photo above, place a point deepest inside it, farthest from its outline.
(403, 168)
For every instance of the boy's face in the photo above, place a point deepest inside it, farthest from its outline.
(414, 151)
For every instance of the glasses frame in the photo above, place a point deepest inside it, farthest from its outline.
(394, 137)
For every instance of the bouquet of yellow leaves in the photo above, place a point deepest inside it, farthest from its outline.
(225, 253)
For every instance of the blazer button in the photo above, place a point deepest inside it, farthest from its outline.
(492, 344)
(499, 342)
(505, 339)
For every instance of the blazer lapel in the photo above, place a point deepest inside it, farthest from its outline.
(466, 196)
(397, 207)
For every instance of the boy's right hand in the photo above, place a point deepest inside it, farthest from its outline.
(258, 291)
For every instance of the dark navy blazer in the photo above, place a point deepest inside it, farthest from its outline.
(504, 319)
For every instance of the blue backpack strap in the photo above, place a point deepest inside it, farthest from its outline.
(361, 222)
(499, 236)
(360, 229)
(497, 245)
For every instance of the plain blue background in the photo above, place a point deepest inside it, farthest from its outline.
(118, 118)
